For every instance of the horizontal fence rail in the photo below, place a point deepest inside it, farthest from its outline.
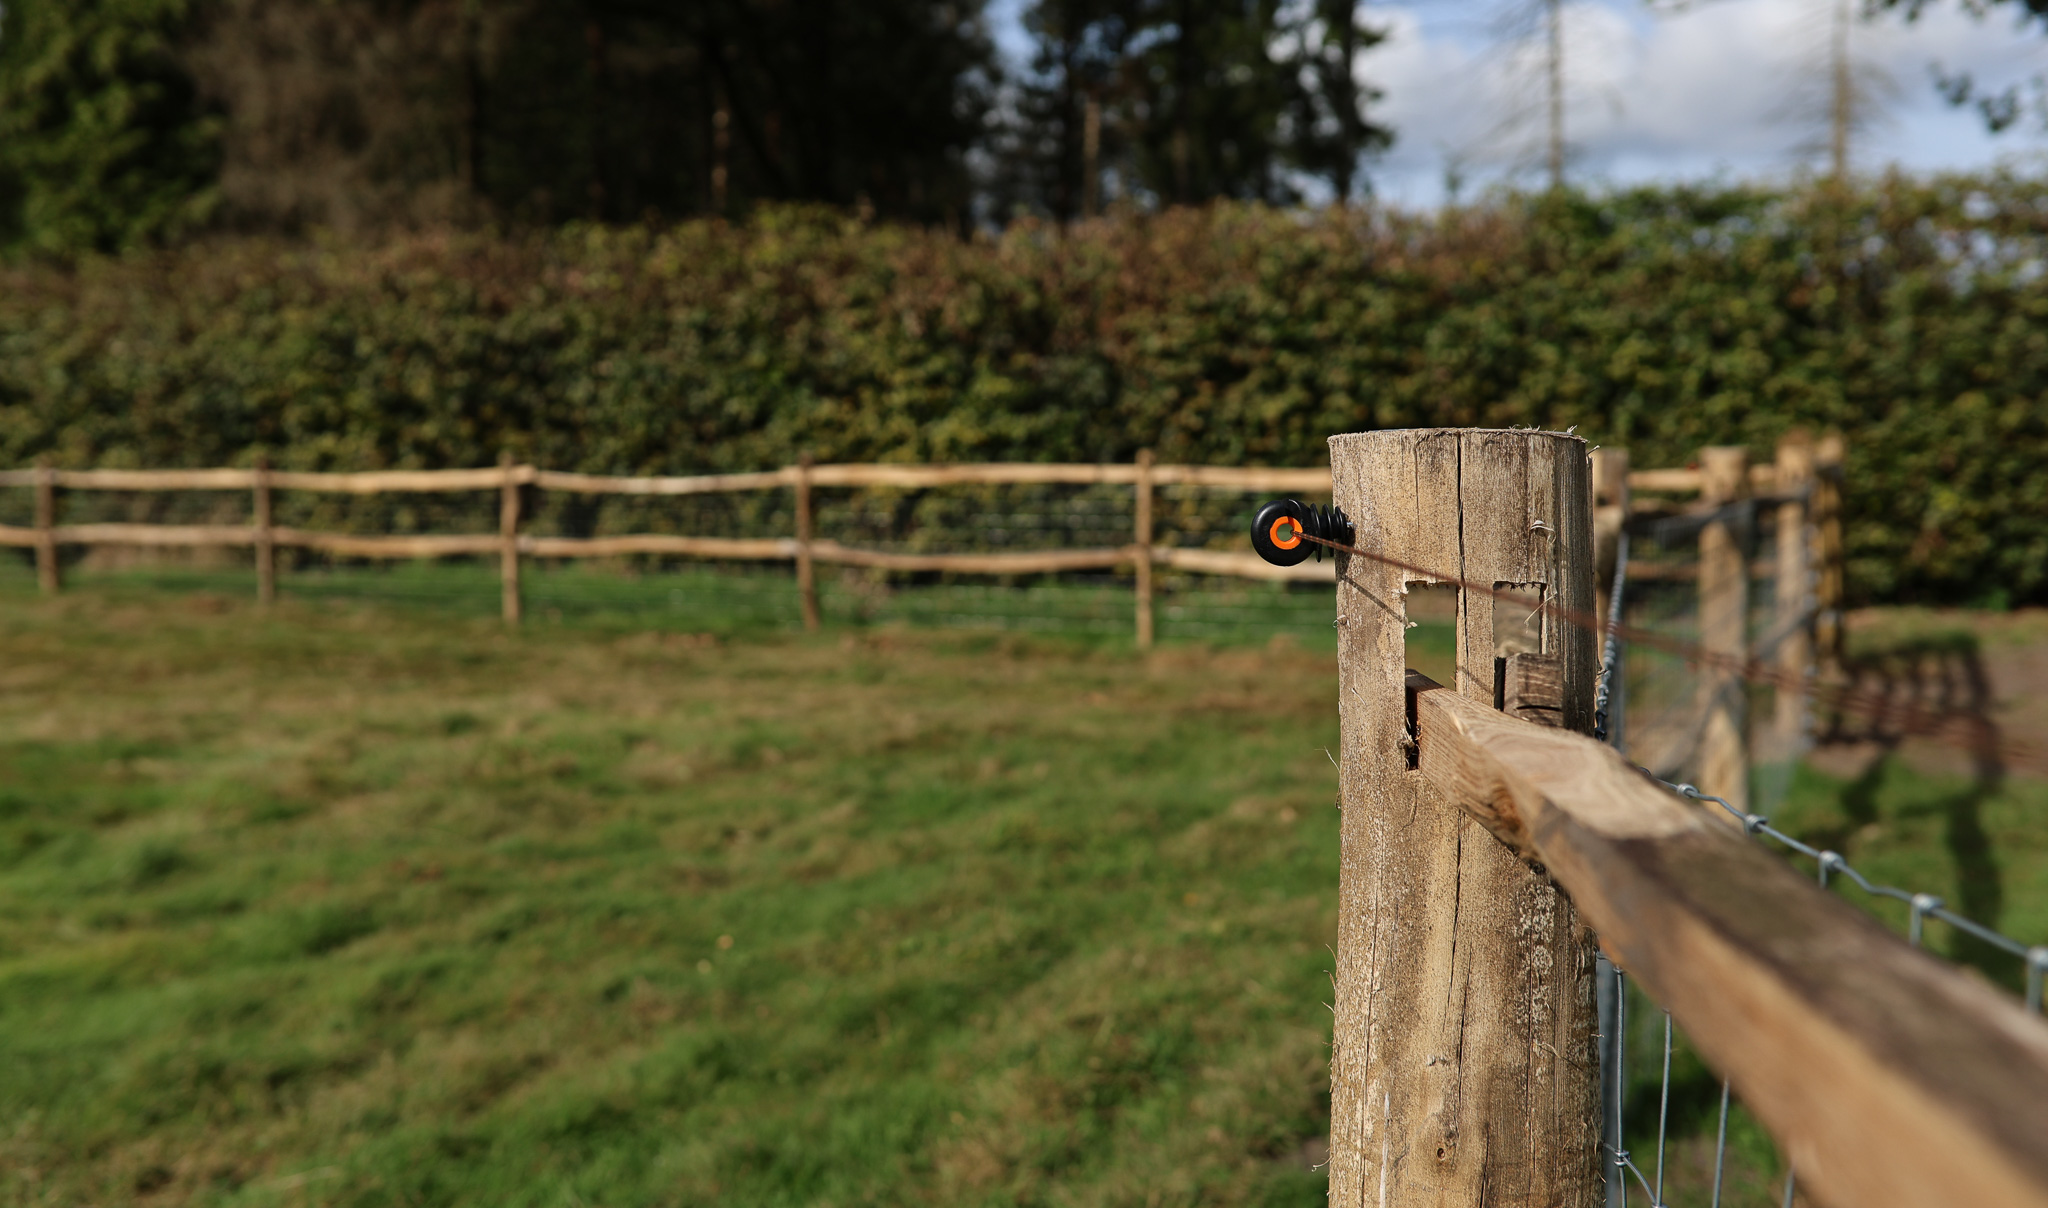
(914, 477)
(804, 549)
(1889, 1078)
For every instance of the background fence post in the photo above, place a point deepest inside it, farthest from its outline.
(1463, 1068)
(508, 539)
(1723, 763)
(1794, 588)
(1827, 525)
(266, 548)
(47, 575)
(1142, 551)
(806, 571)
(1610, 517)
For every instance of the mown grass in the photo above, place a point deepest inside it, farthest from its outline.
(363, 905)
(346, 908)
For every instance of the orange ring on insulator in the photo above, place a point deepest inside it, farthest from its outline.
(1288, 542)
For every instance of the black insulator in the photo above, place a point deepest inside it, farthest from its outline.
(1280, 531)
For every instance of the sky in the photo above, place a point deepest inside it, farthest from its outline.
(1732, 89)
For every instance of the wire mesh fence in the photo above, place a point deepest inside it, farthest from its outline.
(1704, 1148)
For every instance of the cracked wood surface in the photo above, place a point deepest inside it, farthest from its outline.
(1891, 1079)
(1463, 1070)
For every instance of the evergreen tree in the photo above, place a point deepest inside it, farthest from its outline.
(1328, 133)
(105, 142)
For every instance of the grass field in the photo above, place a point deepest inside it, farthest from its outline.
(366, 904)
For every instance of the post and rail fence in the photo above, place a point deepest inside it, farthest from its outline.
(1490, 844)
(1490, 847)
(46, 536)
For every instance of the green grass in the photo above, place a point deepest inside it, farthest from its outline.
(381, 904)
(344, 907)
(749, 599)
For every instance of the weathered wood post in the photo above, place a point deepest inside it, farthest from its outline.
(806, 571)
(1794, 589)
(263, 538)
(1462, 1066)
(1141, 555)
(1723, 764)
(1828, 457)
(48, 577)
(1610, 517)
(508, 539)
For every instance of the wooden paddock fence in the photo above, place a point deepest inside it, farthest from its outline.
(1649, 489)
(1485, 844)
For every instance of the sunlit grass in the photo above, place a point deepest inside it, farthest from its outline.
(378, 903)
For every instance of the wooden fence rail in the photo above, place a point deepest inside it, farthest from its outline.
(805, 549)
(1485, 839)
(1887, 1077)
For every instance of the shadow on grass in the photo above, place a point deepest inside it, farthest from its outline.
(1929, 684)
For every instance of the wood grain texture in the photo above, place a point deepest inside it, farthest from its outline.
(1828, 457)
(1723, 757)
(378, 482)
(983, 474)
(1463, 1070)
(1676, 481)
(49, 577)
(1532, 688)
(806, 566)
(694, 484)
(155, 535)
(1610, 518)
(157, 480)
(1692, 478)
(736, 549)
(510, 599)
(1793, 586)
(1141, 538)
(266, 547)
(1033, 563)
(1243, 566)
(353, 545)
(1315, 481)
(1890, 1079)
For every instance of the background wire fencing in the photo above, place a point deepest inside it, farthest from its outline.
(1674, 1134)
(704, 595)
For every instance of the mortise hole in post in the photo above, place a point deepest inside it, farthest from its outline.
(1517, 629)
(1431, 636)
(1430, 639)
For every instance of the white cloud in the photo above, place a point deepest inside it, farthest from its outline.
(1729, 87)
(1732, 87)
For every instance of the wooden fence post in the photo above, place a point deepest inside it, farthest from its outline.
(1142, 549)
(1827, 528)
(806, 571)
(1463, 1068)
(266, 548)
(508, 539)
(47, 575)
(1723, 762)
(1794, 588)
(1610, 517)
(1887, 1078)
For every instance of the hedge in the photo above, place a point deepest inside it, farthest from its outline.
(1913, 316)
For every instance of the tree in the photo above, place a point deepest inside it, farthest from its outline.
(1216, 98)
(126, 121)
(1328, 133)
(2000, 107)
(105, 142)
